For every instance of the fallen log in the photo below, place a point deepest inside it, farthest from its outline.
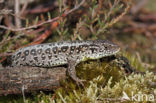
(15, 80)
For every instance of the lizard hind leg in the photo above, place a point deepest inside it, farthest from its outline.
(72, 73)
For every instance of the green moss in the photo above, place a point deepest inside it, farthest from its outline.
(106, 82)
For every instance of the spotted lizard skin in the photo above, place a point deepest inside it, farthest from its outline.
(58, 53)
(61, 53)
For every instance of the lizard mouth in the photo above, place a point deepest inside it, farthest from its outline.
(117, 50)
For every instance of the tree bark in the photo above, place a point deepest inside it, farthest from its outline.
(15, 79)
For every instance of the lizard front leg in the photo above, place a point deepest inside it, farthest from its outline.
(71, 71)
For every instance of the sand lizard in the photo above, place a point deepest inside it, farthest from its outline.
(62, 53)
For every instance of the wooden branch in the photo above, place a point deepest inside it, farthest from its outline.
(28, 79)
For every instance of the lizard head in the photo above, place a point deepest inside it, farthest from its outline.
(103, 48)
(107, 47)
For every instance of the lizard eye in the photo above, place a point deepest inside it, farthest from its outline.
(105, 47)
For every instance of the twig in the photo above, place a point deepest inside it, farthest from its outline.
(76, 7)
(113, 21)
(120, 16)
(24, 7)
(17, 8)
(111, 10)
(40, 24)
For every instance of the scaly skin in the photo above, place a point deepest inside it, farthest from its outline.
(61, 53)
